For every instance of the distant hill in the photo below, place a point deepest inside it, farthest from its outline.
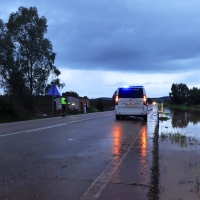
(104, 98)
(160, 99)
(157, 99)
(164, 98)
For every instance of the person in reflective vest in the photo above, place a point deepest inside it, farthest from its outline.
(63, 102)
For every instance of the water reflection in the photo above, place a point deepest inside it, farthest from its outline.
(117, 137)
(117, 134)
(181, 119)
(143, 142)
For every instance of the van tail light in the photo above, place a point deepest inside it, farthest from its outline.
(144, 100)
(116, 100)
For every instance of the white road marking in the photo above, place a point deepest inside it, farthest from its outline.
(94, 191)
(53, 126)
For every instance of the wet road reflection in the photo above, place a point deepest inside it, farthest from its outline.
(145, 157)
(143, 142)
(117, 135)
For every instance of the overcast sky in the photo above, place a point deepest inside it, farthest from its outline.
(105, 44)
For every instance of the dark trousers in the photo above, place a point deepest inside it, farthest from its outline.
(63, 108)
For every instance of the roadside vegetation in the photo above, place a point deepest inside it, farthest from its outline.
(26, 77)
(23, 76)
(184, 106)
(183, 98)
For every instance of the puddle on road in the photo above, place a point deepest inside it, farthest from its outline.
(179, 154)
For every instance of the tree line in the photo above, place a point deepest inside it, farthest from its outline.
(26, 57)
(180, 94)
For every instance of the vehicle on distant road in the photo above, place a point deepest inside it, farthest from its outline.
(131, 101)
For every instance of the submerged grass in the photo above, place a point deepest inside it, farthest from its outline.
(179, 138)
(182, 107)
(163, 118)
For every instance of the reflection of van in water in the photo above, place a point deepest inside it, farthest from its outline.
(131, 101)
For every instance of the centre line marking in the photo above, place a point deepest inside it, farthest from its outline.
(94, 191)
(53, 126)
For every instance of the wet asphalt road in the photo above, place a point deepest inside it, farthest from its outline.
(90, 156)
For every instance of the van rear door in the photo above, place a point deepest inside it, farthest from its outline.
(130, 100)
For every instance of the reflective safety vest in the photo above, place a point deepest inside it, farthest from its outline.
(63, 101)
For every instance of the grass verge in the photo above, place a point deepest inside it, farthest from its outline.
(182, 106)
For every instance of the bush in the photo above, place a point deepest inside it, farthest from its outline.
(8, 111)
(100, 105)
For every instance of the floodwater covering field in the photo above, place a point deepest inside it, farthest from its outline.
(179, 154)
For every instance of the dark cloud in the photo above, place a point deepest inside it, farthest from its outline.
(122, 35)
(103, 37)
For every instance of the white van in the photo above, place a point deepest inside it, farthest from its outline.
(131, 101)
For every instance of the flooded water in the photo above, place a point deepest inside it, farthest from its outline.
(186, 123)
(179, 154)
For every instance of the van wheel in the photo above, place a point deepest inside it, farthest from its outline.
(117, 117)
(145, 117)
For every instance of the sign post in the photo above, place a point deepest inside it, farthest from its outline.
(53, 91)
(84, 107)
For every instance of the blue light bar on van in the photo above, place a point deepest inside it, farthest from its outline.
(125, 86)
(132, 87)
(136, 86)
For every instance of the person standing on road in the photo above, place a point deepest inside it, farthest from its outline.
(63, 102)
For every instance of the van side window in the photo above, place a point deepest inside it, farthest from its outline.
(130, 93)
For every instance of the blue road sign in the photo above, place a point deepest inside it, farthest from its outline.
(53, 91)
